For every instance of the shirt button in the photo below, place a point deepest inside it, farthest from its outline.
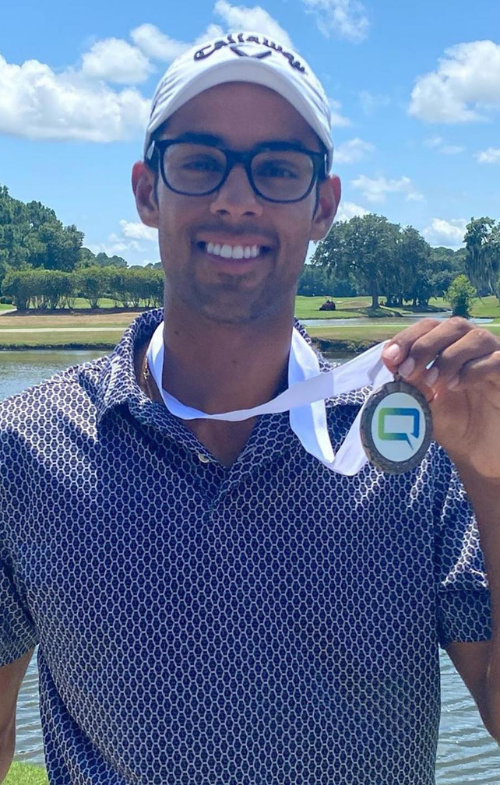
(203, 458)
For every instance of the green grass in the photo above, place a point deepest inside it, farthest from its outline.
(81, 303)
(26, 774)
(347, 308)
(62, 339)
(345, 337)
(308, 307)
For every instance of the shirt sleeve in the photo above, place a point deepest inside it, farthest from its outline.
(17, 629)
(463, 598)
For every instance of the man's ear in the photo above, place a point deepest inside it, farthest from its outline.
(327, 204)
(143, 186)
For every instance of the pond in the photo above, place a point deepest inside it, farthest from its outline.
(404, 321)
(466, 752)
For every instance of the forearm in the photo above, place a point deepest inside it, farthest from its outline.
(484, 496)
(7, 747)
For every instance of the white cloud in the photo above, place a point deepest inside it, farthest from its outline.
(489, 156)
(155, 44)
(159, 46)
(114, 246)
(138, 231)
(127, 241)
(338, 119)
(447, 233)
(464, 88)
(437, 143)
(114, 60)
(433, 141)
(348, 210)
(212, 31)
(256, 18)
(451, 149)
(376, 190)
(342, 18)
(369, 102)
(352, 151)
(36, 103)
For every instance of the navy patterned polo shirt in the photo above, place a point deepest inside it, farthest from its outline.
(272, 623)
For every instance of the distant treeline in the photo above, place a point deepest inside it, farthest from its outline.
(380, 258)
(48, 289)
(45, 264)
(441, 267)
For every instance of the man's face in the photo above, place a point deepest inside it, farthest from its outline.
(237, 290)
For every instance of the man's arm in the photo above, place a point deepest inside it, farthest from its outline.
(456, 366)
(472, 661)
(11, 677)
(479, 663)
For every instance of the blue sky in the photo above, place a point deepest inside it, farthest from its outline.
(414, 90)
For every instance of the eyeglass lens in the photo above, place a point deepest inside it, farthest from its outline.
(280, 175)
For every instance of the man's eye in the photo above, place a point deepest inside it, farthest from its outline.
(201, 164)
(277, 169)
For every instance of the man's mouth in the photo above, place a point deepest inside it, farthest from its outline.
(226, 251)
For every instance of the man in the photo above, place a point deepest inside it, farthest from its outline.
(213, 603)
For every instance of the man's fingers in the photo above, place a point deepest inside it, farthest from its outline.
(420, 345)
(479, 370)
(398, 348)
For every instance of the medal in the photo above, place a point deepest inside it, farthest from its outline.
(396, 427)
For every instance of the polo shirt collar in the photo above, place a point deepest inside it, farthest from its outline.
(117, 386)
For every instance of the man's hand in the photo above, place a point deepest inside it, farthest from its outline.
(462, 387)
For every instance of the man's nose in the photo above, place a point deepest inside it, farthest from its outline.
(236, 197)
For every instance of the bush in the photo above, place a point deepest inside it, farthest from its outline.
(6, 300)
(461, 296)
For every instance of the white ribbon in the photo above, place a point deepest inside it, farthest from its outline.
(304, 398)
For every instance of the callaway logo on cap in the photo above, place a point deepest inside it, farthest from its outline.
(243, 57)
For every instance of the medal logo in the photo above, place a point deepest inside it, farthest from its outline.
(396, 427)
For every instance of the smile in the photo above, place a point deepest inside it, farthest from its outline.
(227, 251)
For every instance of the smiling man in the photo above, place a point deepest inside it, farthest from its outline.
(214, 600)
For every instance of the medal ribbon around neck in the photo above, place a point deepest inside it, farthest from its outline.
(304, 399)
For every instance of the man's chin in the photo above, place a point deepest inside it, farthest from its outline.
(224, 312)
(232, 316)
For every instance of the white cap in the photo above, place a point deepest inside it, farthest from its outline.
(243, 57)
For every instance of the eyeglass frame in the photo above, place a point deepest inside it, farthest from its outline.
(245, 157)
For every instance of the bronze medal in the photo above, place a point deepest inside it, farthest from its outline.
(396, 427)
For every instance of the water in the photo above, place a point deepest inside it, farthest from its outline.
(400, 323)
(466, 753)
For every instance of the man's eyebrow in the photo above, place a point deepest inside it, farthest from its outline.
(218, 141)
(193, 136)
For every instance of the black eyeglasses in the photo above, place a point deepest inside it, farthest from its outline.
(277, 171)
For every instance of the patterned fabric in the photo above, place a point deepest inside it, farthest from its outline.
(274, 623)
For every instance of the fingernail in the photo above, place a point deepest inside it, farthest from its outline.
(432, 376)
(407, 367)
(453, 383)
(392, 352)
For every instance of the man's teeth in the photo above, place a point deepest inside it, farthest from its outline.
(234, 251)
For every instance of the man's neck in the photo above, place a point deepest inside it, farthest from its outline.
(218, 367)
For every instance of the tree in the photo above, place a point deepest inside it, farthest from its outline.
(461, 296)
(482, 241)
(21, 286)
(90, 283)
(103, 260)
(85, 258)
(31, 236)
(444, 266)
(413, 257)
(363, 249)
